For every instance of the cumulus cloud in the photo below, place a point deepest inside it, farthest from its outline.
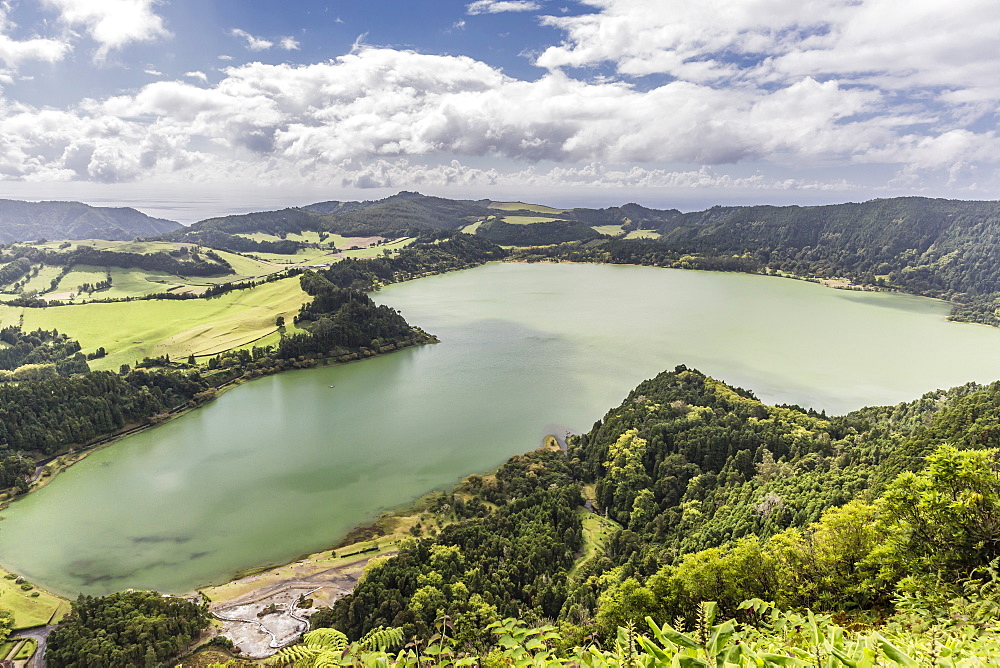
(499, 6)
(113, 24)
(380, 117)
(871, 42)
(289, 44)
(252, 43)
(13, 52)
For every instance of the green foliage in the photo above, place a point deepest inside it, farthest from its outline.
(125, 629)
(535, 234)
(48, 415)
(40, 347)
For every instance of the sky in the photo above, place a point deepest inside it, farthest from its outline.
(187, 109)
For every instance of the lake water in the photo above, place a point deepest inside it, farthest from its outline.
(288, 464)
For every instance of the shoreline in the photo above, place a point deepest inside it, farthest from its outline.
(44, 475)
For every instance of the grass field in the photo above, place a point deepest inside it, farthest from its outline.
(527, 220)
(610, 230)
(521, 206)
(375, 251)
(471, 229)
(596, 531)
(168, 327)
(44, 278)
(30, 611)
(643, 234)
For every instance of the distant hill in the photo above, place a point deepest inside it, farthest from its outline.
(934, 247)
(30, 221)
(404, 214)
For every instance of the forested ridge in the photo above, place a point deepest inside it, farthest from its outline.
(745, 532)
(932, 247)
(716, 497)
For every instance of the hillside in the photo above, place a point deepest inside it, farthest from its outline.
(695, 491)
(30, 221)
(404, 214)
(946, 249)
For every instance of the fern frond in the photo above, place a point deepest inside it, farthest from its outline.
(289, 656)
(381, 639)
(330, 639)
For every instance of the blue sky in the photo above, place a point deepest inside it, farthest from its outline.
(188, 108)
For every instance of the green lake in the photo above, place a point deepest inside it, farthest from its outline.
(287, 464)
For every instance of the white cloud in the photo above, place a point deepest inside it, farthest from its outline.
(253, 43)
(113, 24)
(225, 57)
(152, 71)
(376, 117)
(870, 42)
(289, 44)
(458, 25)
(498, 6)
(14, 52)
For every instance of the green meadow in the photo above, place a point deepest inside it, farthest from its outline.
(169, 327)
(38, 610)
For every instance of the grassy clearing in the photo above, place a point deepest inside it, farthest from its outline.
(166, 327)
(375, 251)
(243, 268)
(528, 220)
(30, 610)
(81, 274)
(471, 229)
(44, 278)
(610, 230)
(596, 532)
(643, 234)
(521, 206)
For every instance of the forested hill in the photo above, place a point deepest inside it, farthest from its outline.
(705, 493)
(30, 221)
(944, 248)
(404, 214)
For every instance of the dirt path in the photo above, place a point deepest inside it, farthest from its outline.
(264, 618)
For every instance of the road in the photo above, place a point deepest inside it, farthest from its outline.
(41, 635)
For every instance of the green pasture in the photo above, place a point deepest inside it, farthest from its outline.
(643, 234)
(72, 281)
(516, 206)
(610, 230)
(30, 610)
(596, 532)
(243, 268)
(44, 278)
(375, 251)
(471, 229)
(527, 220)
(130, 331)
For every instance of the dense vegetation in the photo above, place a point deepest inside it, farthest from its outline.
(40, 347)
(405, 214)
(46, 416)
(431, 254)
(214, 238)
(718, 497)
(182, 262)
(535, 234)
(938, 248)
(124, 630)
